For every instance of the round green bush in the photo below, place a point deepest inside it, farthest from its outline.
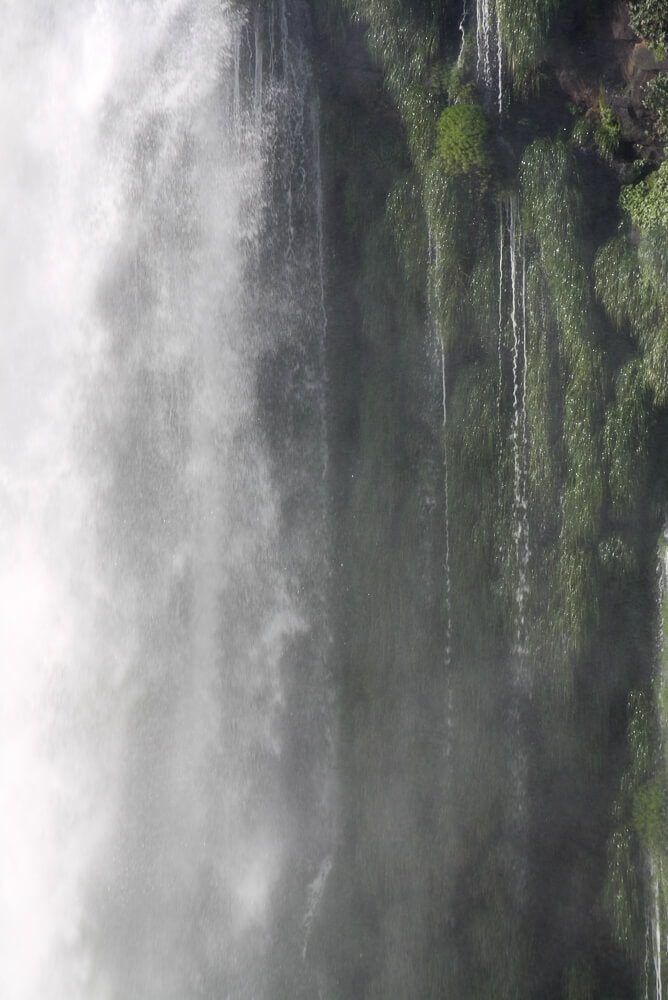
(463, 140)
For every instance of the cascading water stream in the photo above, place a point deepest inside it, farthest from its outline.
(656, 913)
(435, 308)
(513, 328)
(147, 610)
(484, 43)
(655, 925)
(519, 430)
(489, 52)
(500, 327)
(462, 32)
(446, 510)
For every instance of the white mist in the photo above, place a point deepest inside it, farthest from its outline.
(142, 610)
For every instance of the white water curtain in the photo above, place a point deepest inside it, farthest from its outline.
(142, 614)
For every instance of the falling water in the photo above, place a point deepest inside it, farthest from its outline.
(655, 918)
(147, 610)
(462, 31)
(519, 430)
(653, 944)
(489, 52)
(484, 43)
(499, 63)
(500, 327)
(436, 311)
(513, 327)
(446, 508)
(656, 935)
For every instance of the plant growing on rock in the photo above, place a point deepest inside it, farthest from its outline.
(649, 19)
(646, 203)
(608, 132)
(463, 141)
(656, 100)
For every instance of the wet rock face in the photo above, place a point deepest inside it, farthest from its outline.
(639, 68)
(589, 59)
(604, 58)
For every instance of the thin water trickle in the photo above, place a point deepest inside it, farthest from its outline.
(435, 310)
(498, 45)
(519, 428)
(654, 925)
(499, 338)
(446, 508)
(512, 316)
(462, 32)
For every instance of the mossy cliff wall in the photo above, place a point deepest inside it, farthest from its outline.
(498, 358)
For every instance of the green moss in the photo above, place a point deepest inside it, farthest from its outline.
(626, 441)
(525, 26)
(545, 379)
(650, 814)
(618, 284)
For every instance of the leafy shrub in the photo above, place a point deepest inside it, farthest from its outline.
(463, 140)
(581, 132)
(646, 203)
(656, 99)
(649, 19)
(608, 132)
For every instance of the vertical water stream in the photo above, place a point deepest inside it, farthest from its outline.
(489, 52)
(512, 336)
(435, 312)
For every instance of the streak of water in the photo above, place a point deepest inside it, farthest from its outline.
(462, 32)
(519, 430)
(489, 53)
(436, 309)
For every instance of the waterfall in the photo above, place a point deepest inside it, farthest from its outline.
(499, 63)
(489, 52)
(152, 590)
(462, 32)
(519, 429)
(484, 43)
(499, 333)
(446, 509)
(512, 337)
(435, 311)
(655, 919)
(655, 923)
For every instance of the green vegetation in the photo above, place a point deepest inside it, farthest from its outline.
(649, 19)
(650, 814)
(524, 30)
(463, 141)
(656, 100)
(608, 132)
(647, 202)
(431, 199)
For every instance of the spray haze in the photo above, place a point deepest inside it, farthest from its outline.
(145, 610)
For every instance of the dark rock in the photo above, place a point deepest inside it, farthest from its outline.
(642, 58)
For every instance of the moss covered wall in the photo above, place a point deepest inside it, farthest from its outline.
(501, 753)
